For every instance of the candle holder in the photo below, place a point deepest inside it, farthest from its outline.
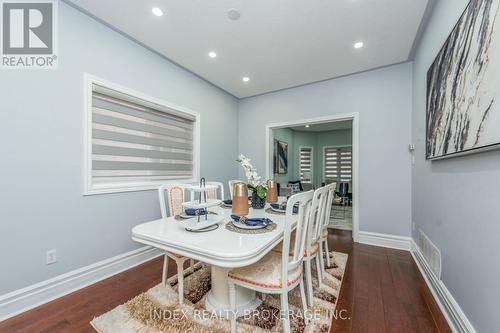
(272, 191)
(240, 199)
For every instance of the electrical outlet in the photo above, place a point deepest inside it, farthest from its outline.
(51, 257)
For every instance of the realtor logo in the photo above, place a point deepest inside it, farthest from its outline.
(28, 34)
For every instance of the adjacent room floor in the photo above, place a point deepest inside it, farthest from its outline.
(383, 291)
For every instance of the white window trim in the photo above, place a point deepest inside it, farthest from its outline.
(324, 158)
(88, 187)
(312, 163)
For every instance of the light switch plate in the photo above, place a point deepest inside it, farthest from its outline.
(51, 257)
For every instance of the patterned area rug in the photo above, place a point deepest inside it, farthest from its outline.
(157, 310)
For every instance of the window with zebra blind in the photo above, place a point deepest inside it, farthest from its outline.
(136, 142)
(337, 164)
(306, 164)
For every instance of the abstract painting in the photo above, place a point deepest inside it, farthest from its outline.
(280, 157)
(463, 85)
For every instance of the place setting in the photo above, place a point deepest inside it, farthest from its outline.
(240, 219)
(227, 204)
(192, 213)
(253, 225)
(280, 209)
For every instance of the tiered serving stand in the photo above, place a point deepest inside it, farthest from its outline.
(199, 222)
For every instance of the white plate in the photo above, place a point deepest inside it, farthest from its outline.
(183, 215)
(278, 210)
(248, 227)
(193, 224)
(197, 205)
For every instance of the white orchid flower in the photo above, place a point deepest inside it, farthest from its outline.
(250, 171)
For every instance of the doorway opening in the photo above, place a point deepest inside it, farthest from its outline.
(305, 154)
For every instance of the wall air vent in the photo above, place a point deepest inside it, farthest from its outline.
(431, 253)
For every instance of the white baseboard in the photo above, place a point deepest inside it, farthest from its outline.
(454, 315)
(385, 240)
(32, 296)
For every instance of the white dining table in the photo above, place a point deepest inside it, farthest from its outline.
(221, 248)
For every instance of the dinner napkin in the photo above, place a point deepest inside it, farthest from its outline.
(283, 207)
(253, 222)
(227, 202)
(192, 211)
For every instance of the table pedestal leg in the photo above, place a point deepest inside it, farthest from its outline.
(218, 297)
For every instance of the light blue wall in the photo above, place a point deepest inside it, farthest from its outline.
(383, 100)
(41, 200)
(455, 201)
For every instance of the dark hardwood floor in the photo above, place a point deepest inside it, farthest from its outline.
(383, 291)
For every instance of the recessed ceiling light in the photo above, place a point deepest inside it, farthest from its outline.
(157, 11)
(246, 79)
(307, 126)
(358, 45)
(233, 14)
(212, 54)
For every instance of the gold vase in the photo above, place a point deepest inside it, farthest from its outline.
(272, 191)
(240, 199)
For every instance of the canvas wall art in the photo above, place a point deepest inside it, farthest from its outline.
(280, 157)
(463, 86)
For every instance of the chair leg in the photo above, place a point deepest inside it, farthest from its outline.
(303, 298)
(180, 280)
(318, 269)
(286, 314)
(232, 302)
(165, 270)
(327, 253)
(309, 282)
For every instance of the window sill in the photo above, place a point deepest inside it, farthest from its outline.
(135, 187)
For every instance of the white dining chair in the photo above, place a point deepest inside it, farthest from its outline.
(278, 273)
(326, 221)
(175, 196)
(214, 194)
(313, 241)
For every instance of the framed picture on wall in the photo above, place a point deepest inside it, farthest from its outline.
(462, 86)
(280, 157)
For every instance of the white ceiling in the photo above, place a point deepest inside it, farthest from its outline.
(277, 43)
(323, 127)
